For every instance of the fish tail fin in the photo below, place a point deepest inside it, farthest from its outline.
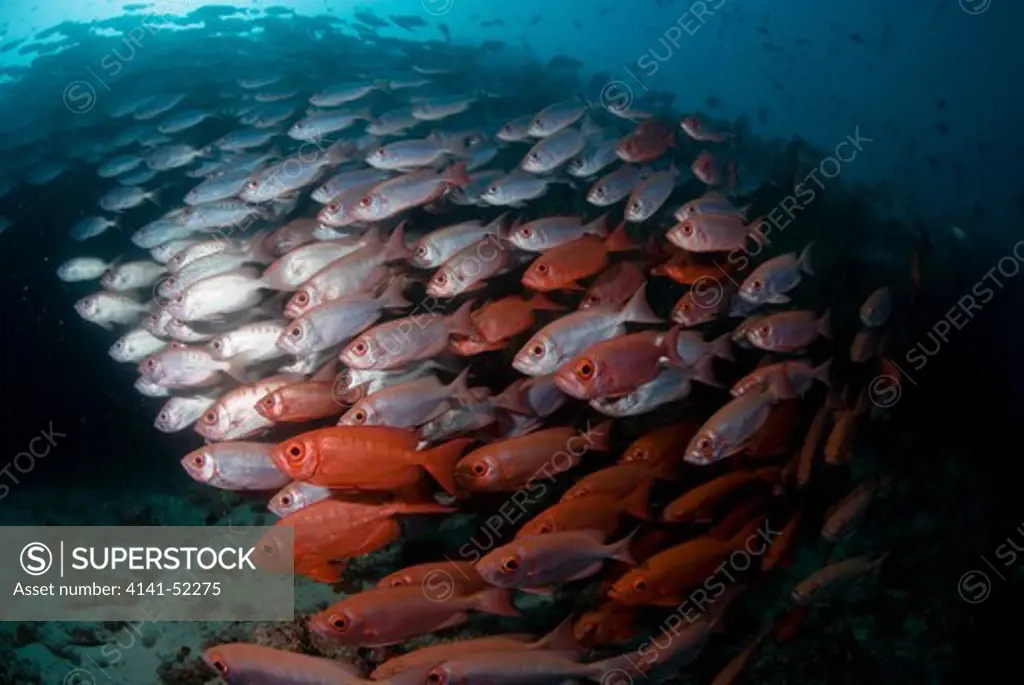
(459, 388)
(598, 437)
(619, 240)
(638, 502)
(823, 372)
(637, 310)
(458, 176)
(392, 297)
(863, 403)
(824, 324)
(721, 347)
(704, 371)
(561, 639)
(461, 322)
(326, 373)
(542, 302)
(598, 226)
(804, 261)
(620, 550)
(236, 369)
(440, 463)
(395, 249)
(514, 400)
(497, 601)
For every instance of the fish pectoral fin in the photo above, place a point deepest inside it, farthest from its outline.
(453, 621)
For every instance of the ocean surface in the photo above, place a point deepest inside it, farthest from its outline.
(881, 137)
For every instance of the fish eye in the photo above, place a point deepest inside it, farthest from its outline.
(639, 586)
(210, 417)
(533, 156)
(510, 564)
(764, 330)
(634, 206)
(359, 416)
(360, 348)
(684, 307)
(440, 279)
(295, 332)
(268, 401)
(537, 351)
(163, 416)
(285, 500)
(150, 364)
(302, 298)
(217, 344)
(545, 528)
(639, 454)
(366, 201)
(198, 461)
(421, 251)
(435, 678)
(493, 190)
(333, 208)
(480, 468)
(756, 285)
(686, 228)
(338, 622)
(542, 268)
(585, 370)
(382, 152)
(296, 451)
(119, 345)
(252, 185)
(220, 666)
(179, 298)
(591, 301)
(526, 231)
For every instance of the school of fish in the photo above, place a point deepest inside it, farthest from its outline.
(327, 308)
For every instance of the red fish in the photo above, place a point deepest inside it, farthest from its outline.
(508, 465)
(710, 171)
(508, 317)
(595, 512)
(560, 268)
(616, 285)
(615, 367)
(389, 616)
(649, 141)
(366, 458)
(300, 402)
(696, 129)
(332, 531)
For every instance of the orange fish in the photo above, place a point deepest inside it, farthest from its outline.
(536, 563)
(783, 543)
(704, 302)
(616, 367)
(300, 402)
(242, 662)
(508, 465)
(787, 626)
(841, 518)
(811, 445)
(607, 625)
(508, 317)
(616, 285)
(412, 667)
(709, 494)
(561, 267)
(830, 580)
(661, 448)
(839, 447)
(366, 458)
(438, 577)
(335, 530)
(665, 576)
(620, 480)
(801, 376)
(683, 269)
(389, 616)
(647, 142)
(593, 512)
